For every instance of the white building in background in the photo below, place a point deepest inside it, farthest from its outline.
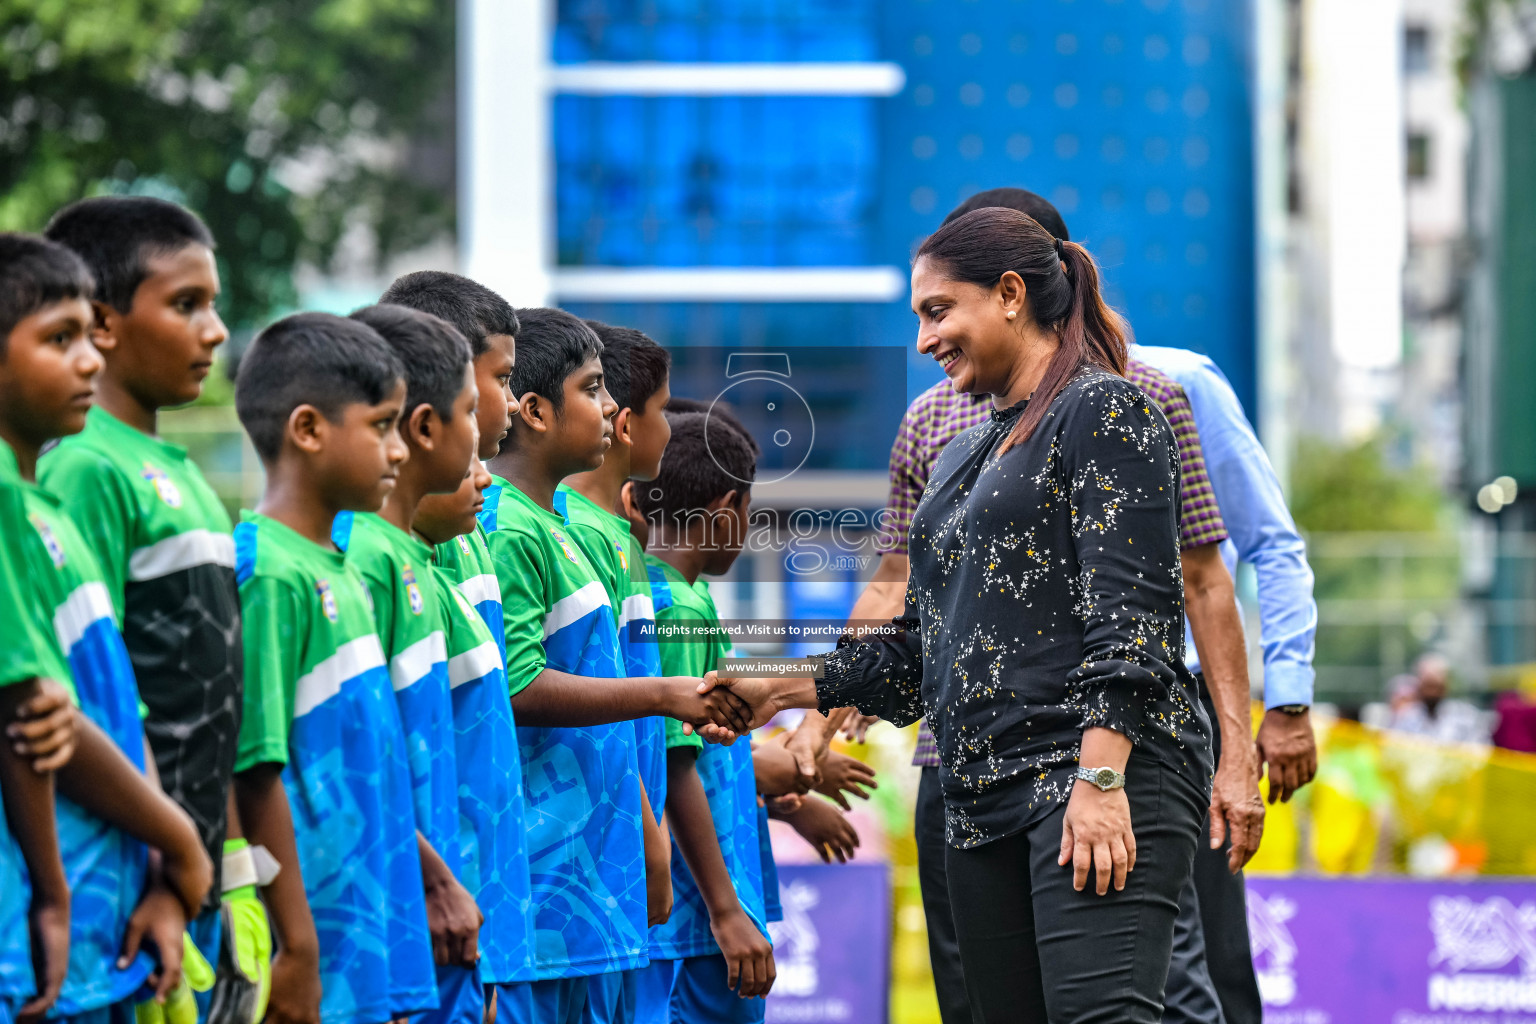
(1377, 222)
(1435, 165)
(1347, 227)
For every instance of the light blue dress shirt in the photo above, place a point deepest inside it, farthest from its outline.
(1262, 532)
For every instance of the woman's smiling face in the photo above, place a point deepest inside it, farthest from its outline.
(967, 328)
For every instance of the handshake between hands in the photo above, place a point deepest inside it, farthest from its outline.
(722, 708)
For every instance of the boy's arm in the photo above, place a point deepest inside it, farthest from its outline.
(542, 696)
(102, 780)
(658, 863)
(748, 955)
(555, 698)
(28, 801)
(268, 822)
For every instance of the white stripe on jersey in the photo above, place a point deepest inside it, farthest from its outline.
(325, 680)
(480, 589)
(414, 663)
(637, 607)
(473, 664)
(88, 605)
(573, 607)
(183, 551)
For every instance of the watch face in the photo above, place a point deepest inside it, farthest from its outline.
(1104, 778)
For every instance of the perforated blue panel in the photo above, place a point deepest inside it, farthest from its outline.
(1133, 116)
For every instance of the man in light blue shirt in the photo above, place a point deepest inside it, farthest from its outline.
(1262, 533)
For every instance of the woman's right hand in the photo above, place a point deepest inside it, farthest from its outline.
(1096, 834)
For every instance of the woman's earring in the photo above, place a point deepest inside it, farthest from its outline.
(1012, 313)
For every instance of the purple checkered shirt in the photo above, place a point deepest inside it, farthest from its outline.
(941, 413)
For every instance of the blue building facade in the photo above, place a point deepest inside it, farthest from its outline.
(1133, 116)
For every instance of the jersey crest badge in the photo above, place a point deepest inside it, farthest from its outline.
(412, 591)
(564, 546)
(164, 486)
(327, 600)
(623, 558)
(463, 540)
(50, 542)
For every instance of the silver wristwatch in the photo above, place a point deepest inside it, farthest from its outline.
(1105, 778)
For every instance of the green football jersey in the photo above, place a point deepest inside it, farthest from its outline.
(167, 556)
(104, 866)
(23, 654)
(408, 614)
(318, 701)
(466, 562)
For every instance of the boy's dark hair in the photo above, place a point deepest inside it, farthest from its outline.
(1022, 199)
(315, 359)
(34, 273)
(432, 351)
(634, 366)
(706, 459)
(551, 345)
(720, 410)
(470, 306)
(118, 235)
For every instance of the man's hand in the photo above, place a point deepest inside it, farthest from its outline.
(1237, 809)
(843, 774)
(162, 920)
(1289, 750)
(48, 923)
(295, 988)
(748, 956)
(776, 771)
(824, 827)
(44, 729)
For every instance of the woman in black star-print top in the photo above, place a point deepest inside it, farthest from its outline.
(1043, 630)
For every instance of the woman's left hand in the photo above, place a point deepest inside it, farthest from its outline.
(1096, 834)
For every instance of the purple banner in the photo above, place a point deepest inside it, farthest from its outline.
(833, 948)
(1337, 951)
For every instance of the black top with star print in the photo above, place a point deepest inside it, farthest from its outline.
(1045, 597)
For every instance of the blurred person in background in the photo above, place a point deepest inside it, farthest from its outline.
(1434, 715)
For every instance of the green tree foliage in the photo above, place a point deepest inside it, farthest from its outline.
(1382, 544)
(1337, 489)
(282, 122)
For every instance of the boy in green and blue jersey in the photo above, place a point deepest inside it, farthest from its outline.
(493, 849)
(162, 536)
(713, 959)
(438, 425)
(572, 697)
(494, 852)
(323, 776)
(635, 373)
(108, 812)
